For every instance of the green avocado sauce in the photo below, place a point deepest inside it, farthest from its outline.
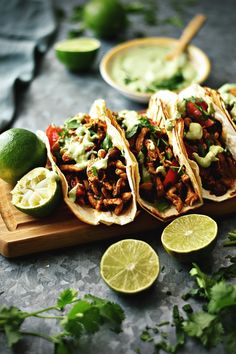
(210, 156)
(145, 69)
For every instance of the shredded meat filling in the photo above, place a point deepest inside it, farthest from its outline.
(104, 188)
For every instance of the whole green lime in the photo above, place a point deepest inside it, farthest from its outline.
(20, 151)
(107, 18)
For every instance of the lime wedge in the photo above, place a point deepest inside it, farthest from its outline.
(189, 237)
(37, 193)
(129, 266)
(77, 54)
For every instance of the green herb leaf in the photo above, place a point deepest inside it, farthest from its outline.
(146, 336)
(222, 295)
(61, 347)
(203, 280)
(228, 272)
(72, 123)
(95, 171)
(168, 84)
(178, 323)
(66, 297)
(162, 204)
(204, 326)
(145, 122)
(11, 320)
(107, 143)
(232, 239)
(112, 313)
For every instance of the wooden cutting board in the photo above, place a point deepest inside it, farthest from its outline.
(21, 234)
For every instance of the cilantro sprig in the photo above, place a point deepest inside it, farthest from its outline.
(76, 317)
(231, 239)
(212, 325)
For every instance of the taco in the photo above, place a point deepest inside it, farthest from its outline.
(228, 95)
(95, 167)
(165, 184)
(208, 138)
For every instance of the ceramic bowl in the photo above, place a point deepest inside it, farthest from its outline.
(199, 59)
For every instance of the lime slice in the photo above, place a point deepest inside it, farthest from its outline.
(129, 266)
(37, 193)
(189, 237)
(77, 54)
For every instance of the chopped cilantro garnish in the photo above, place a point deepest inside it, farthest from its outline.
(72, 123)
(95, 171)
(168, 84)
(162, 204)
(107, 143)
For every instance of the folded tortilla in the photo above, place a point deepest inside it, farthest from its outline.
(217, 114)
(165, 203)
(228, 99)
(87, 213)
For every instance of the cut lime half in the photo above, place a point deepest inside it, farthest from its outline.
(37, 193)
(77, 54)
(190, 236)
(129, 266)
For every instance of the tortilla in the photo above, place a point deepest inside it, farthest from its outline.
(211, 97)
(156, 116)
(87, 213)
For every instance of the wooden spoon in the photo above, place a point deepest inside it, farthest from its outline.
(189, 32)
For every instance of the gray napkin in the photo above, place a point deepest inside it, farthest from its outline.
(26, 26)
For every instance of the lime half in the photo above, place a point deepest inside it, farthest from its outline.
(189, 237)
(129, 266)
(77, 54)
(37, 193)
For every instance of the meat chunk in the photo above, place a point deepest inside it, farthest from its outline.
(175, 199)
(140, 138)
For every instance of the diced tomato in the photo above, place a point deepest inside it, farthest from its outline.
(171, 176)
(208, 123)
(52, 134)
(193, 111)
(203, 105)
(80, 191)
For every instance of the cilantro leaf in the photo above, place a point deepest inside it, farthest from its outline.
(109, 311)
(227, 272)
(10, 322)
(178, 323)
(232, 239)
(222, 295)
(230, 342)
(203, 280)
(162, 204)
(204, 326)
(95, 171)
(145, 122)
(168, 84)
(107, 143)
(66, 297)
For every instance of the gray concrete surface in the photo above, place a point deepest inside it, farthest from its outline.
(32, 282)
